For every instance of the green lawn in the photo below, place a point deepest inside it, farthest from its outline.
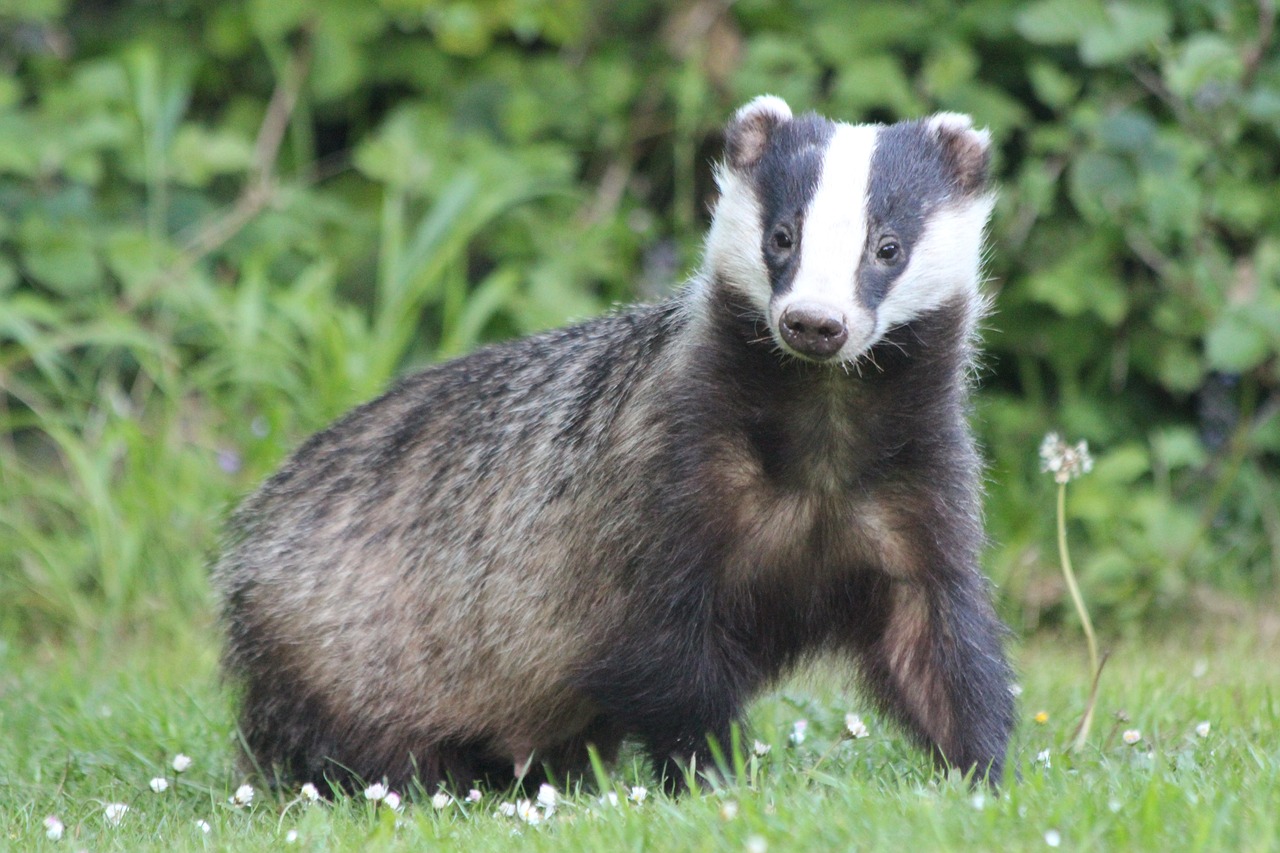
(88, 726)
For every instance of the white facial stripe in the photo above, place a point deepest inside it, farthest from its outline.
(732, 246)
(835, 224)
(834, 232)
(943, 264)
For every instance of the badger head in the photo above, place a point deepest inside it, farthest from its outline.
(834, 233)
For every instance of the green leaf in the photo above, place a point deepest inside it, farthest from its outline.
(1204, 58)
(877, 80)
(201, 153)
(1101, 185)
(1235, 343)
(948, 66)
(61, 256)
(1052, 85)
(1129, 29)
(1059, 21)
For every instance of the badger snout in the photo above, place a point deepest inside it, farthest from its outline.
(813, 330)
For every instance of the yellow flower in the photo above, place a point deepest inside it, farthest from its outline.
(1042, 717)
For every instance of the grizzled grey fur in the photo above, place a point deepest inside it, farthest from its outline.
(630, 527)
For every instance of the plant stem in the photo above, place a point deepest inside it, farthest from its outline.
(1074, 588)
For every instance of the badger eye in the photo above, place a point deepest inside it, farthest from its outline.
(782, 240)
(889, 250)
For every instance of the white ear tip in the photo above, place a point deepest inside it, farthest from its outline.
(956, 124)
(762, 104)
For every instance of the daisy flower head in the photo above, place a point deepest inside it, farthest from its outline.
(1066, 462)
(114, 813)
(528, 812)
(547, 796)
(760, 749)
(440, 800)
(638, 794)
(53, 828)
(1053, 838)
(181, 763)
(1202, 729)
(242, 797)
(310, 793)
(798, 732)
(728, 810)
(204, 827)
(375, 792)
(392, 801)
(1044, 757)
(1131, 736)
(159, 784)
(474, 795)
(854, 728)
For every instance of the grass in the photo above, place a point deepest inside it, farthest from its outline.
(90, 725)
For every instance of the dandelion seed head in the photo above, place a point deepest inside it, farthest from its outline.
(53, 828)
(181, 763)
(114, 813)
(1131, 736)
(242, 797)
(1064, 461)
(159, 784)
(1202, 729)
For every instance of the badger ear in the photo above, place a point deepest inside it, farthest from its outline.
(965, 150)
(748, 132)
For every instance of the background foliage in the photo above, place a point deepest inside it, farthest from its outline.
(225, 223)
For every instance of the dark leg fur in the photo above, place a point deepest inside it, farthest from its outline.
(937, 666)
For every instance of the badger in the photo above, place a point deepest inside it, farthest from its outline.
(628, 528)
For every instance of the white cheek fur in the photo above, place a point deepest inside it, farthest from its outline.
(943, 265)
(733, 244)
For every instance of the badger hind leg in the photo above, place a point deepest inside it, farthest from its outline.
(935, 662)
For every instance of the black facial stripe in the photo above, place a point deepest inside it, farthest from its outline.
(909, 180)
(785, 181)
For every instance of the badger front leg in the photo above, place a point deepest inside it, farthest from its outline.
(935, 662)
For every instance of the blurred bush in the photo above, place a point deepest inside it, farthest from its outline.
(225, 223)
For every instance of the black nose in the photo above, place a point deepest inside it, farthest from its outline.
(813, 330)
